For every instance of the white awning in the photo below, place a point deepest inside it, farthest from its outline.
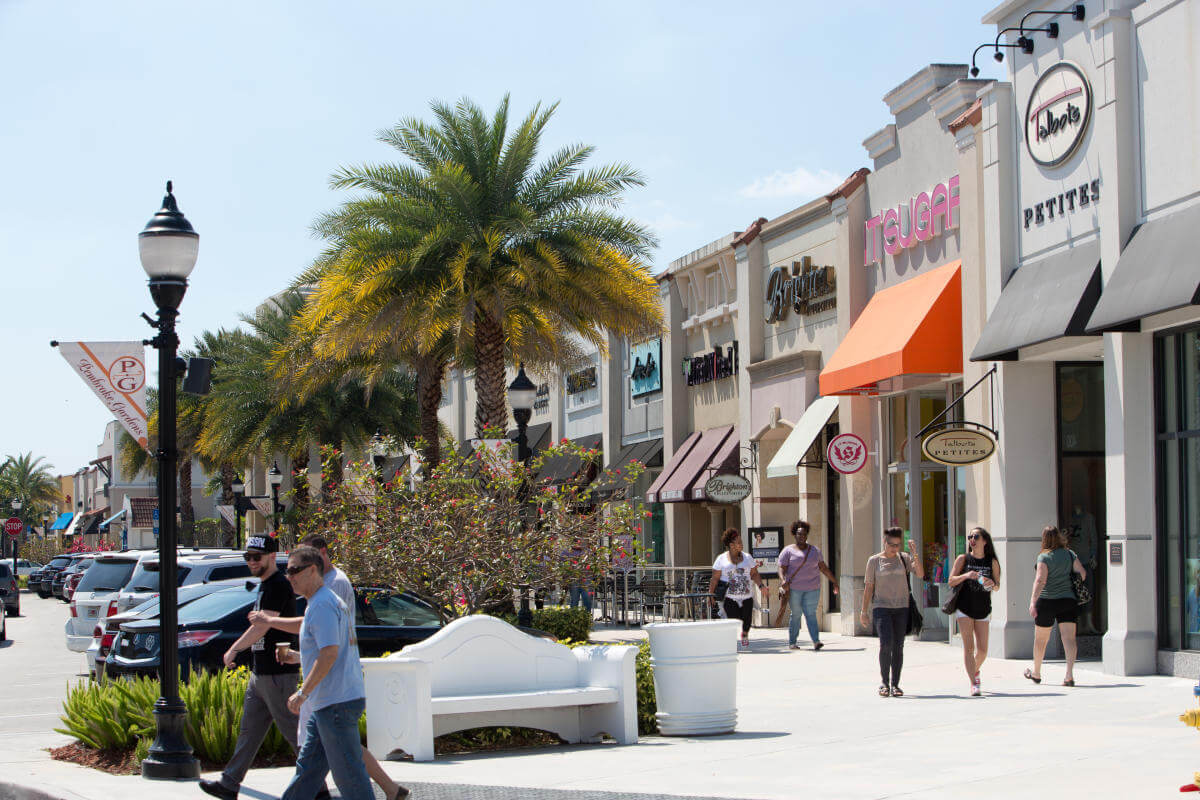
(814, 418)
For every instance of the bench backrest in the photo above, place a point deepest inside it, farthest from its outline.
(485, 655)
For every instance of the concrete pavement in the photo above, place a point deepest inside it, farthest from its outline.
(809, 724)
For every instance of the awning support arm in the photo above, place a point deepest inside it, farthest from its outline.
(993, 430)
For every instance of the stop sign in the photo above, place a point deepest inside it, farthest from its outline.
(13, 527)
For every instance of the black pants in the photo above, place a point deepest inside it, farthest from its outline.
(743, 610)
(891, 625)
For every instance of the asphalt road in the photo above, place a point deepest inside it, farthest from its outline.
(35, 669)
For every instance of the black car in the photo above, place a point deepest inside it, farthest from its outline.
(384, 622)
(42, 581)
(10, 594)
(79, 563)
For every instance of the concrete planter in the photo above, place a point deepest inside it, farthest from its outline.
(695, 671)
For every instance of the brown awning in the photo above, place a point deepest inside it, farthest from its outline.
(677, 459)
(677, 488)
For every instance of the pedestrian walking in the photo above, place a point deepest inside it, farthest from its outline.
(977, 574)
(1053, 600)
(737, 570)
(800, 568)
(333, 683)
(885, 602)
(271, 682)
(579, 593)
(337, 582)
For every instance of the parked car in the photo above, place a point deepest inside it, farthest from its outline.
(79, 563)
(26, 567)
(104, 633)
(194, 566)
(384, 622)
(9, 592)
(95, 596)
(3, 624)
(43, 582)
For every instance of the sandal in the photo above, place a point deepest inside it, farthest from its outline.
(1029, 674)
(1069, 683)
(884, 691)
(401, 793)
(818, 645)
(896, 692)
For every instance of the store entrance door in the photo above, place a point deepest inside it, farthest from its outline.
(1081, 496)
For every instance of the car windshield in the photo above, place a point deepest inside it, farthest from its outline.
(59, 561)
(216, 605)
(145, 577)
(377, 608)
(105, 575)
(5, 570)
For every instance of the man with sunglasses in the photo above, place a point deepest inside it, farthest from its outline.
(271, 682)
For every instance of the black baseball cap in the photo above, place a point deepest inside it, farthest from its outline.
(262, 544)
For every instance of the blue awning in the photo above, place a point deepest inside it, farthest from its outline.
(104, 525)
(62, 522)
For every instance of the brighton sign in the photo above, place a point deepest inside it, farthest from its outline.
(956, 447)
(727, 488)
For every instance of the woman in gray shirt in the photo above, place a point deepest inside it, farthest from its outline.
(885, 600)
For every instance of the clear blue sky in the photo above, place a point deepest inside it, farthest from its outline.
(732, 111)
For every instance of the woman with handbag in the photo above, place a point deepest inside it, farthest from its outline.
(974, 577)
(1054, 600)
(887, 601)
(800, 570)
(737, 570)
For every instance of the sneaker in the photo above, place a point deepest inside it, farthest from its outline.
(975, 690)
(818, 645)
(218, 789)
(793, 646)
(745, 642)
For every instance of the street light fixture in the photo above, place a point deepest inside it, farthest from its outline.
(276, 478)
(239, 491)
(378, 453)
(168, 247)
(522, 394)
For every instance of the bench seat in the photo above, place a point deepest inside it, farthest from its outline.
(546, 698)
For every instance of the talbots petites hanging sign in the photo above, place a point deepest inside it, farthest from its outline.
(958, 446)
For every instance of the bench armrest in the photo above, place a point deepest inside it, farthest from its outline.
(399, 707)
(612, 666)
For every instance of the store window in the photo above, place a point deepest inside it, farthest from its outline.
(1177, 379)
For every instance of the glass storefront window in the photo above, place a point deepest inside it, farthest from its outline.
(901, 502)
(897, 429)
(935, 516)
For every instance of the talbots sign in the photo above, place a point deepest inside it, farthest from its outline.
(958, 446)
(1060, 107)
(727, 488)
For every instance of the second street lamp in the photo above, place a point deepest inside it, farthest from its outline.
(276, 478)
(168, 247)
(522, 394)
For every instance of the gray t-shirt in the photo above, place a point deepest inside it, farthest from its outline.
(891, 583)
(1058, 579)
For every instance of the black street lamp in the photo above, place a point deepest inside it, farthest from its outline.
(378, 453)
(276, 478)
(239, 492)
(522, 394)
(168, 246)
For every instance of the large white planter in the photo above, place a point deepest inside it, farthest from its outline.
(695, 676)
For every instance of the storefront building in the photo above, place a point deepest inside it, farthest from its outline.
(1092, 286)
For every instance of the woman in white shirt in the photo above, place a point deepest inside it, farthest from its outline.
(737, 570)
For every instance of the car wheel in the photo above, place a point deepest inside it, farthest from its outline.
(42, 594)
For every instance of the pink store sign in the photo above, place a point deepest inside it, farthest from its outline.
(923, 217)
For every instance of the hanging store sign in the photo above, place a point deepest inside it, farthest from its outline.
(581, 381)
(1057, 116)
(846, 453)
(541, 398)
(645, 377)
(958, 446)
(923, 217)
(727, 488)
(711, 366)
(805, 290)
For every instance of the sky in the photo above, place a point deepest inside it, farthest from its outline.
(731, 111)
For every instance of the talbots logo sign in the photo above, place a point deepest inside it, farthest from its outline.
(1058, 113)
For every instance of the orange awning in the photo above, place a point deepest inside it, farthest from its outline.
(912, 328)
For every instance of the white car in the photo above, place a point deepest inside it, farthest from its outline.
(96, 595)
(194, 566)
(24, 567)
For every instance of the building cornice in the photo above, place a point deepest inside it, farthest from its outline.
(950, 102)
(921, 85)
(880, 141)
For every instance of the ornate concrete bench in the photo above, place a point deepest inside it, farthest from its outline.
(480, 671)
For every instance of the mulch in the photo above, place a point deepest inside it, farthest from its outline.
(121, 762)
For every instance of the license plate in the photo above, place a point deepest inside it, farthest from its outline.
(91, 612)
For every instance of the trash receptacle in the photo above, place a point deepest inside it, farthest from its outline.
(695, 676)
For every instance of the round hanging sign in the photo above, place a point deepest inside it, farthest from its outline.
(957, 446)
(846, 453)
(727, 488)
(1057, 116)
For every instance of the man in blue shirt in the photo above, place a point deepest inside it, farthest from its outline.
(333, 684)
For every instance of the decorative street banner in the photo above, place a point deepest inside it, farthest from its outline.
(116, 372)
(263, 505)
(227, 513)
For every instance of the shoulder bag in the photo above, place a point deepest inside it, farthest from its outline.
(951, 604)
(915, 623)
(1083, 595)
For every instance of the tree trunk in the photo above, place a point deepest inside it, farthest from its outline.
(331, 469)
(300, 483)
(187, 514)
(430, 372)
(227, 499)
(491, 404)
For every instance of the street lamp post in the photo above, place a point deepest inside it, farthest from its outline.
(276, 478)
(167, 248)
(378, 454)
(16, 507)
(239, 492)
(522, 394)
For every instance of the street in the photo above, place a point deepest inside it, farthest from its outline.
(808, 724)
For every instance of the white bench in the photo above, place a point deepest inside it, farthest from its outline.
(480, 671)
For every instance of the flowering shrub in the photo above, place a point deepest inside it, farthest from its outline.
(479, 526)
(80, 546)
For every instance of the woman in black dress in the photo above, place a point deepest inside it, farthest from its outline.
(978, 573)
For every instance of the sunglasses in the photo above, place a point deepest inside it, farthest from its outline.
(297, 570)
(253, 557)
(972, 537)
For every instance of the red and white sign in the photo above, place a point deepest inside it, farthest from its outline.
(846, 453)
(116, 372)
(923, 217)
(13, 527)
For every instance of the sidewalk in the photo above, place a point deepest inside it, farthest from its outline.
(810, 724)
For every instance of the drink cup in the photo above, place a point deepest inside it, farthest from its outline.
(281, 650)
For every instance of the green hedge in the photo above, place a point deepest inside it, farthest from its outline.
(564, 624)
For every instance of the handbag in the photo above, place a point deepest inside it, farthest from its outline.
(1083, 595)
(915, 623)
(951, 605)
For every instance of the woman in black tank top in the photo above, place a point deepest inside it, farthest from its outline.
(977, 572)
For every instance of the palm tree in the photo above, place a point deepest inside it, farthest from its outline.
(25, 478)
(475, 241)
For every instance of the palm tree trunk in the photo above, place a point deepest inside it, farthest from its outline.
(187, 514)
(491, 401)
(430, 372)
